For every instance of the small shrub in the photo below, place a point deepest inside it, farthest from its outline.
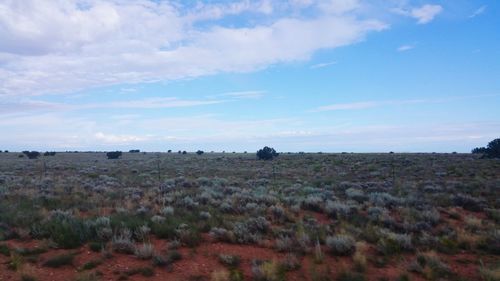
(87, 276)
(96, 246)
(122, 243)
(318, 253)
(230, 260)
(159, 260)
(142, 233)
(350, 276)
(31, 251)
(167, 211)
(393, 243)
(489, 274)
(173, 256)
(221, 275)
(321, 274)
(27, 277)
(291, 262)
(491, 242)
(189, 237)
(205, 216)
(65, 230)
(16, 261)
(222, 234)
(284, 244)
(433, 267)
(341, 245)
(91, 264)
(144, 271)
(359, 257)
(144, 252)
(336, 209)
(467, 202)
(268, 271)
(403, 277)
(59, 261)
(4, 250)
(164, 230)
(473, 224)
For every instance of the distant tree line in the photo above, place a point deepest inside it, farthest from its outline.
(36, 154)
(266, 153)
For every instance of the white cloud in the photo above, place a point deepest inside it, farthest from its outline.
(404, 48)
(322, 65)
(245, 94)
(151, 103)
(339, 6)
(301, 3)
(119, 139)
(29, 105)
(57, 46)
(426, 13)
(26, 105)
(423, 14)
(373, 104)
(348, 106)
(478, 12)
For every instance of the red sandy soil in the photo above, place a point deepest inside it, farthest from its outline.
(203, 261)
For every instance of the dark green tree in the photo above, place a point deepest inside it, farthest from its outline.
(490, 151)
(114, 154)
(267, 153)
(32, 154)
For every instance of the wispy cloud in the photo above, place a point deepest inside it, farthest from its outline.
(321, 65)
(151, 103)
(349, 106)
(128, 90)
(364, 105)
(374, 104)
(424, 14)
(244, 94)
(405, 48)
(119, 139)
(33, 106)
(478, 12)
(28, 105)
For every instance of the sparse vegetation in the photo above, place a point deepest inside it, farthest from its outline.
(226, 206)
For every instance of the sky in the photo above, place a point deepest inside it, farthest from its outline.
(297, 75)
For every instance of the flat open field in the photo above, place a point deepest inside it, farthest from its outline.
(80, 216)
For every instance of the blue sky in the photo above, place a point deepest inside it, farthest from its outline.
(298, 75)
